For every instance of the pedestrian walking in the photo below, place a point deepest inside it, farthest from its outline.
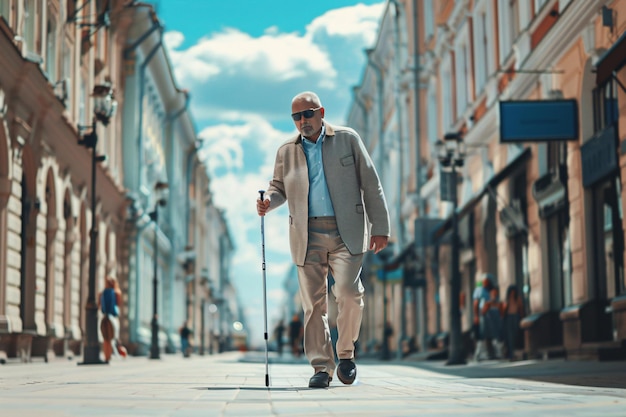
(480, 296)
(279, 332)
(109, 302)
(329, 182)
(295, 335)
(493, 313)
(513, 315)
(185, 342)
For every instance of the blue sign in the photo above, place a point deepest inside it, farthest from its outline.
(538, 121)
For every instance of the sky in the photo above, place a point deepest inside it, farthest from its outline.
(243, 61)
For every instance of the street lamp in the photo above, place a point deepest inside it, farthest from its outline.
(160, 189)
(451, 153)
(104, 108)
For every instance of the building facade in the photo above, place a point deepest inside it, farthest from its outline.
(53, 55)
(545, 216)
(62, 230)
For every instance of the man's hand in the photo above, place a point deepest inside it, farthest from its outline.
(378, 243)
(262, 206)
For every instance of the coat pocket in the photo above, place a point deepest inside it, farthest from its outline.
(359, 208)
(347, 160)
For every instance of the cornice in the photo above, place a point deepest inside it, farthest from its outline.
(557, 41)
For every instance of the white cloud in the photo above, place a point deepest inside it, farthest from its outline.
(232, 74)
(235, 68)
(356, 21)
(173, 39)
(224, 144)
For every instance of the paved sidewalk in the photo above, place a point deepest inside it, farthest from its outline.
(233, 384)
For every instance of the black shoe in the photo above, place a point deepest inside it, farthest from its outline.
(346, 371)
(320, 380)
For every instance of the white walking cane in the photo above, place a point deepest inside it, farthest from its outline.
(267, 374)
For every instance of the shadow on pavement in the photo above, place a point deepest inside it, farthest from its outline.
(581, 373)
(243, 388)
(605, 374)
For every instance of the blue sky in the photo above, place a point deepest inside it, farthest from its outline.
(243, 61)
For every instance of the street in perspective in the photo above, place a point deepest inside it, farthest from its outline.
(233, 384)
(337, 208)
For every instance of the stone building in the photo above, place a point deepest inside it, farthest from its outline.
(58, 59)
(540, 212)
(144, 214)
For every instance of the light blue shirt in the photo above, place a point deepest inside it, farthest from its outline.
(320, 203)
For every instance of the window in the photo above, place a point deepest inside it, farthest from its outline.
(606, 111)
(483, 45)
(462, 75)
(66, 74)
(82, 104)
(432, 116)
(539, 4)
(446, 95)
(509, 16)
(29, 25)
(51, 50)
(513, 21)
(429, 19)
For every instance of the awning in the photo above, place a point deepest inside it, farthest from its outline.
(612, 60)
(492, 183)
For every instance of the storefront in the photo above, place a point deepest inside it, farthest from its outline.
(602, 155)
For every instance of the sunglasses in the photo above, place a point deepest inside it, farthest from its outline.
(306, 113)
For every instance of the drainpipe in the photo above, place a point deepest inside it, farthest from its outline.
(190, 164)
(381, 102)
(419, 296)
(416, 80)
(401, 231)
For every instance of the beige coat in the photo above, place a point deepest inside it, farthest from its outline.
(353, 184)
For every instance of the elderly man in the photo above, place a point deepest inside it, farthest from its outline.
(337, 211)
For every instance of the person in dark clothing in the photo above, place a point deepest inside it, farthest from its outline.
(295, 335)
(185, 344)
(513, 314)
(492, 313)
(279, 330)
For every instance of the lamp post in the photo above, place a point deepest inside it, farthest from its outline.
(451, 154)
(104, 108)
(159, 192)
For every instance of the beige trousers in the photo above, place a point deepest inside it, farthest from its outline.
(326, 253)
